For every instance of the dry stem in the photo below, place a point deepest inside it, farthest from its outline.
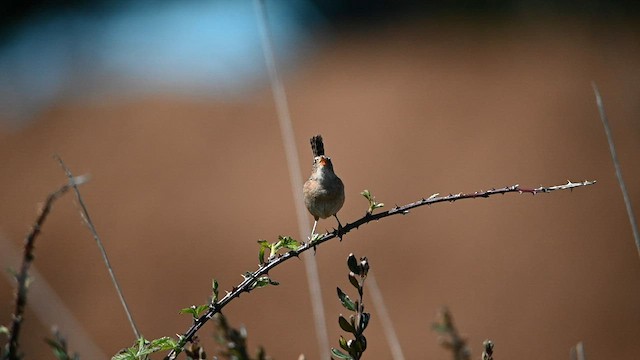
(23, 276)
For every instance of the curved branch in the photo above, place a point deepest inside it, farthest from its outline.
(22, 277)
(251, 278)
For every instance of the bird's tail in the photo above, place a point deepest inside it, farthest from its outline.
(317, 146)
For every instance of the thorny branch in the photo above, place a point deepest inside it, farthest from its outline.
(27, 258)
(251, 278)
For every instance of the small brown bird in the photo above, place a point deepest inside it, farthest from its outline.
(324, 191)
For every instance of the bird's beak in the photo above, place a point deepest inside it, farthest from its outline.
(323, 161)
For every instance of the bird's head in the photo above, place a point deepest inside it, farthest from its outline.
(322, 162)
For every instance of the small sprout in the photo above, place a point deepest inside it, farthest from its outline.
(343, 343)
(143, 348)
(373, 204)
(288, 242)
(263, 281)
(264, 244)
(284, 242)
(162, 344)
(195, 311)
(214, 287)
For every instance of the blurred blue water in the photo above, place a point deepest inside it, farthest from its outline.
(201, 48)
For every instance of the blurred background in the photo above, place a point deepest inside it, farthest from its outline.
(167, 105)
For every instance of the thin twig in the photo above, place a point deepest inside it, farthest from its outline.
(251, 278)
(293, 164)
(616, 164)
(27, 259)
(87, 220)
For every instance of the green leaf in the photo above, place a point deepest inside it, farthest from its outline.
(340, 355)
(263, 281)
(354, 281)
(125, 355)
(162, 344)
(372, 202)
(352, 263)
(195, 311)
(214, 286)
(345, 325)
(190, 310)
(361, 344)
(276, 246)
(263, 246)
(289, 242)
(346, 301)
(139, 343)
(130, 353)
(364, 321)
(343, 343)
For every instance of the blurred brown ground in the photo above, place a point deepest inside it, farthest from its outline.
(182, 189)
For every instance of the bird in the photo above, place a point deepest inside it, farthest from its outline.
(324, 191)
